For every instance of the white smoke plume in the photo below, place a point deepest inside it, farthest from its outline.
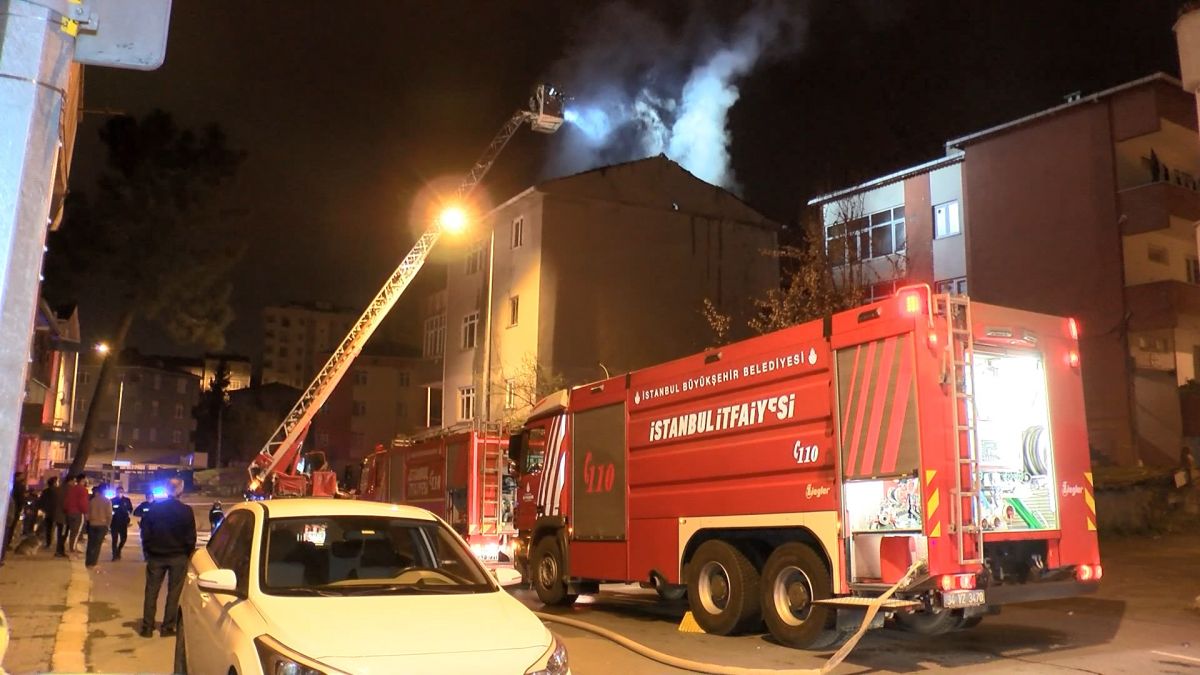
(641, 87)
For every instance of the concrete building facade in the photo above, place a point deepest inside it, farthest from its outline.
(603, 271)
(294, 336)
(155, 403)
(1087, 210)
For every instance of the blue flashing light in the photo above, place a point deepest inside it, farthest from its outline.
(159, 492)
(110, 494)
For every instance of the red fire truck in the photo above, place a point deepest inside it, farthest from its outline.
(460, 475)
(793, 477)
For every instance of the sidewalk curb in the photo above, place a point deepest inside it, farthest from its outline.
(72, 633)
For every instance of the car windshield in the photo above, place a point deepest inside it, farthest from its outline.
(366, 555)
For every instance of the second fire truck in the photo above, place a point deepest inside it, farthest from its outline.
(793, 477)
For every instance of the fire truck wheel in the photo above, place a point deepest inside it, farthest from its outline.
(969, 622)
(934, 622)
(546, 566)
(722, 589)
(670, 591)
(793, 577)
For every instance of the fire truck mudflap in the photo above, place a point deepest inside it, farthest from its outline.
(790, 478)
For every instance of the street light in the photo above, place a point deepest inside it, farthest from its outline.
(103, 349)
(453, 219)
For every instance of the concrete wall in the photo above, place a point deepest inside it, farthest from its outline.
(1041, 234)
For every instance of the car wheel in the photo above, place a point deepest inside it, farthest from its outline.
(180, 648)
(722, 589)
(792, 579)
(930, 622)
(546, 567)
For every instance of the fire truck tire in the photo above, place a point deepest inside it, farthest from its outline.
(722, 589)
(934, 622)
(793, 577)
(969, 622)
(546, 567)
(671, 592)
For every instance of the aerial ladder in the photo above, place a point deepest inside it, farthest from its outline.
(274, 471)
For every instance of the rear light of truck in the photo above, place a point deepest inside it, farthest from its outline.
(1073, 329)
(910, 303)
(1089, 572)
(1073, 358)
(957, 582)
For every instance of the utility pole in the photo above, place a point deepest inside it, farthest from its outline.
(39, 41)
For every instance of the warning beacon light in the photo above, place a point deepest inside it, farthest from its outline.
(546, 108)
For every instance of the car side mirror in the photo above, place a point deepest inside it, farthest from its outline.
(218, 581)
(507, 576)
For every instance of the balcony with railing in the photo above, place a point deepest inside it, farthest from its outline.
(1168, 199)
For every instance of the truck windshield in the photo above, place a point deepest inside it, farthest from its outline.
(366, 555)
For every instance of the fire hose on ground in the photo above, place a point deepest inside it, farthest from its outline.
(687, 664)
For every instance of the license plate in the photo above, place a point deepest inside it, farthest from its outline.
(960, 599)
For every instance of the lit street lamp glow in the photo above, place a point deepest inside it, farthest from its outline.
(453, 219)
(102, 347)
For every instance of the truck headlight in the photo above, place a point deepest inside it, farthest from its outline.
(553, 662)
(279, 660)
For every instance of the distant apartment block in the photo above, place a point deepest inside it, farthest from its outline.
(600, 272)
(1086, 209)
(155, 402)
(295, 335)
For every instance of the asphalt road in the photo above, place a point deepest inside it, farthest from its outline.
(1082, 635)
(1140, 622)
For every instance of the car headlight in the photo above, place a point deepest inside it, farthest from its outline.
(279, 660)
(553, 662)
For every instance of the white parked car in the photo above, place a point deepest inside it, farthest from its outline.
(316, 586)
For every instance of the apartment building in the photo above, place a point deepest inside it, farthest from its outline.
(1086, 209)
(45, 437)
(154, 403)
(601, 272)
(294, 335)
(379, 399)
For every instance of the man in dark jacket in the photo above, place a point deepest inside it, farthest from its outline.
(16, 506)
(168, 538)
(122, 507)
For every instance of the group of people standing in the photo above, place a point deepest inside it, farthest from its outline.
(70, 514)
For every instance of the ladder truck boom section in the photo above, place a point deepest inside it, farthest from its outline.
(276, 460)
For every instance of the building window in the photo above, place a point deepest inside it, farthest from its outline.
(881, 290)
(1158, 254)
(1158, 345)
(157, 381)
(401, 409)
(957, 286)
(947, 221)
(153, 435)
(466, 403)
(433, 407)
(112, 431)
(518, 231)
(285, 322)
(359, 409)
(875, 236)
(283, 352)
(469, 325)
(85, 378)
(514, 310)
(360, 377)
(177, 436)
(510, 394)
(154, 408)
(178, 411)
(1193, 270)
(181, 386)
(435, 336)
(136, 435)
(402, 378)
(475, 259)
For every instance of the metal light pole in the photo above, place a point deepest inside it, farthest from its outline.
(117, 430)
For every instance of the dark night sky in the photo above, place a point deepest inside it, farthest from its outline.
(347, 109)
